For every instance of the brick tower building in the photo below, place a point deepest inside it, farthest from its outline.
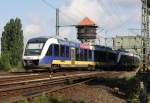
(86, 31)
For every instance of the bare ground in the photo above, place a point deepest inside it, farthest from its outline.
(90, 94)
(97, 93)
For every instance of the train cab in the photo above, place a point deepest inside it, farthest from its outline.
(33, 51)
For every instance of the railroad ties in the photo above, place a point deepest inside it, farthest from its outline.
(17, 87)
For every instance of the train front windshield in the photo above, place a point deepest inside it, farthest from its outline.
(33, 49)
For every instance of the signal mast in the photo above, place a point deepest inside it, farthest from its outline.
(145, 34)
(145, 51)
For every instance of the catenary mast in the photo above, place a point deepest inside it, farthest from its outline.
(145, 34)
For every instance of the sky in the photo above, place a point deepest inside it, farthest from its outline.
(114, 17)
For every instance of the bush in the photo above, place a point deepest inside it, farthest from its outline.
(46, 99)
(7, 66)
(41, 99)
(18, 68)
(4, 61)
(23, 101)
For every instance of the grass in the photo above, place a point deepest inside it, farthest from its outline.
(149, 98)
(46, 99)
(148, 91)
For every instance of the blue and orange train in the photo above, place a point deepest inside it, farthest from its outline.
(54, 53)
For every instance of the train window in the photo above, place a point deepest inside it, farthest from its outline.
(72, 54)
(85, 54)
(90, 55)
(62, 50)
(108, 57)
(49, 51)
(95, 59)
(99, 56)
(81, 54)
(56, 49)
(104, 56)
(77, 54)
(96, 55)
(67, 51)
(112, 57)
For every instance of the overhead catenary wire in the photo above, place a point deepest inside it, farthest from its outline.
(74, 18)
(118, 11)
(48, 4)
(53, 7)
(112, 13)
(60, 11)
(107, 12)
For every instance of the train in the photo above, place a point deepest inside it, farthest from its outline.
(53, 53)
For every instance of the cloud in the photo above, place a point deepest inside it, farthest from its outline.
(32, 29)
(128, 3)
(38, 26)
(112, 15)
(76, 10)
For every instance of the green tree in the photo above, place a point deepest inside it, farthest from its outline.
(12, 41)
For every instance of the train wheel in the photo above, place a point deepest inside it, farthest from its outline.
(91, 67)
(54, 68)
(49, 69)
(28, 69)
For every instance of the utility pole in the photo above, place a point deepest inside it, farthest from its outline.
(145, 52)
(145, 34)
(105, 41)
(114, 46)
(57, 22)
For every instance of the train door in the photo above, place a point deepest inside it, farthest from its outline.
(72, 56)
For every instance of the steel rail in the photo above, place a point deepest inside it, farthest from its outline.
(38, 86)
(60, 88)
(51, 79)
(27, 88)
(21, 78)
(14, 78)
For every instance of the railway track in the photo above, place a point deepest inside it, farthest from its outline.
(61, 88)
(13, 78)
(16, 87)
(16, 77)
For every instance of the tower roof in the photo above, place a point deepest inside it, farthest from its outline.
(86, 21)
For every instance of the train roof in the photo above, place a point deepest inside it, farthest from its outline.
(103, 48)
(65, 41)
(59, 40)
(44, 38)
(38, 39)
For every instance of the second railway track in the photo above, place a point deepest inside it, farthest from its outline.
(28, 86)
(10, 78)
(23, 88)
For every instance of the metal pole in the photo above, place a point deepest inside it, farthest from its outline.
(105, 41)
(145, 52)
(121, 43)
(57, 22)
(145, 34)
(143, 93)
(99, 41)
